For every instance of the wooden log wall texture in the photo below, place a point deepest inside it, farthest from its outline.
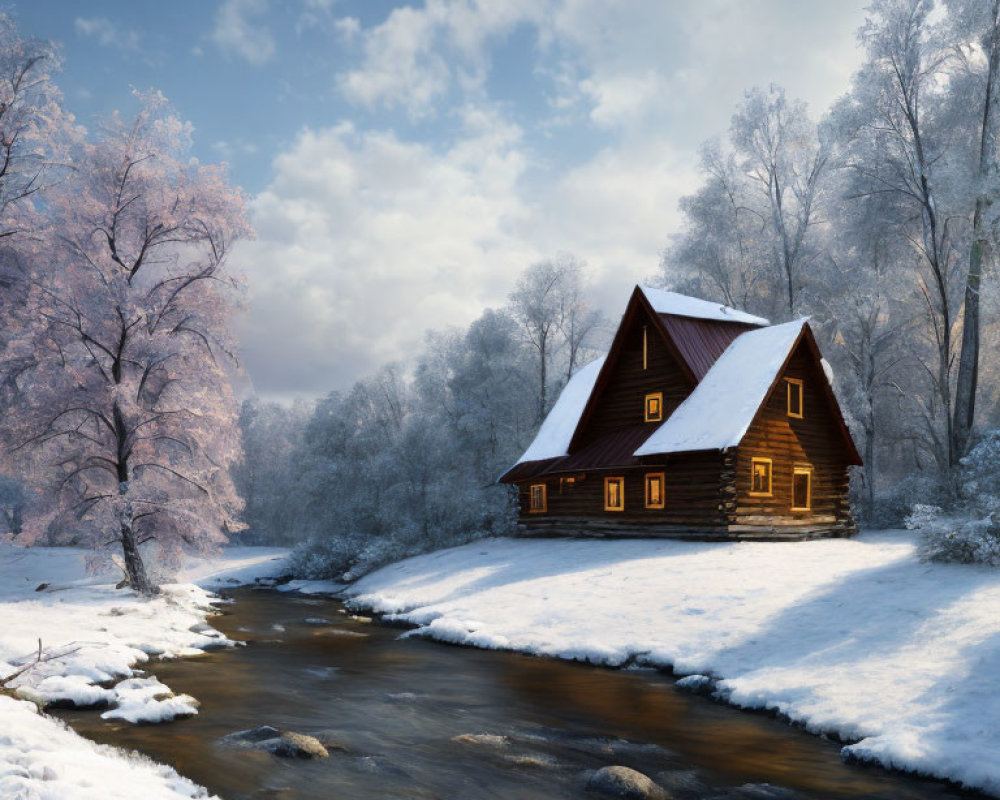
(812, 441)
(694, 493)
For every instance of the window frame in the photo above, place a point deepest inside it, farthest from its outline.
(658, 397)
(620, 480)
(754, 460)
(807, 470)
(661, 476)
(789, 383)
(532, 508)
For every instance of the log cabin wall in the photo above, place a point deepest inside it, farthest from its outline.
(813, 441)
(620, 405)
(695, 496)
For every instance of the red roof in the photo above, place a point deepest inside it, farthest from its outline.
(696, 341)
(701, 341)
(614, 449)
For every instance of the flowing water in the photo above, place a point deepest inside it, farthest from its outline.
(399, 709)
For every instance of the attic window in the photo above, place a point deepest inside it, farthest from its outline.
(801, 488)
(654, 407)
(537, 500)
(760, 477)
(614, 494)
(794, 397)
(654, 490)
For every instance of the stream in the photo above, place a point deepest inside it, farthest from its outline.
(399, 707)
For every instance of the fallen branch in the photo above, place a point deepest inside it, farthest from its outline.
(40, 658)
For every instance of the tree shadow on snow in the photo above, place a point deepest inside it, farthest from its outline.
(556, 557)
(869, 614)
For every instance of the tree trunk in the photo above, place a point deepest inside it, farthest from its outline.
(135, 569)
(968, 364)
(542, 377)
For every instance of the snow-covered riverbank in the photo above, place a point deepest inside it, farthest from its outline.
(850, 637)
(104, 633)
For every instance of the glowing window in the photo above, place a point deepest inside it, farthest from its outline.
(654, 490)
(801, 488)
(794, 397)
(760, 477)
(614, 494)
(537, 499)
(654, 407)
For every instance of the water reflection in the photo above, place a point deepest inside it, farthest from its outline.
(416, 719)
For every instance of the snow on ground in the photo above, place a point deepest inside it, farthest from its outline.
(851, 637)
(41, 759)
(101, 634)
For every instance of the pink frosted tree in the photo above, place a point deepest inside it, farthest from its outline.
(126, 412)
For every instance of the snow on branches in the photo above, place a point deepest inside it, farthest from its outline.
(124, 409)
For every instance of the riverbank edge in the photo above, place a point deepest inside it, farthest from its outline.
(40, 754)
(706, 683)
(706, 689)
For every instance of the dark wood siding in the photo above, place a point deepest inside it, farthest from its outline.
(695, 495)
(812, 441)
(621, 404)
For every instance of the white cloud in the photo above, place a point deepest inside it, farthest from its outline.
(348, 27)
(238, 31)
(416, 55)
(620, 98)
(106, 33)
(365, 241)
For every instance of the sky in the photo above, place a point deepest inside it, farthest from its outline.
(404, 162)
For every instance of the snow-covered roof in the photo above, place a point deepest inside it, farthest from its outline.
(664, 302)
(717, 414)
(553, 438)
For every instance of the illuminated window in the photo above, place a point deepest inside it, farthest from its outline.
(614, 494)
(760, 477)
(654, 407)
(794, 397)
(645, 348)
(537, 499)
(654, 490)
(801, 488)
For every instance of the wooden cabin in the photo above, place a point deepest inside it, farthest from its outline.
(701, 422)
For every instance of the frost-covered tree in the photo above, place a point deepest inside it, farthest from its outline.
(901, 147)
(549, 304)
(722, 251)
(126, 411)
(975, 26)
(35, 130)
(395, 466)
(266, 474)
(778, 150)
(749, 233)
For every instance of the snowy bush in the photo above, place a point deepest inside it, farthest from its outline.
(955, 537)
(893, 506)
(969, 532)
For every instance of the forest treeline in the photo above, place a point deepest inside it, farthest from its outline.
(878, 219)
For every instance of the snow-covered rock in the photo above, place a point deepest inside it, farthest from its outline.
(148, 700)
